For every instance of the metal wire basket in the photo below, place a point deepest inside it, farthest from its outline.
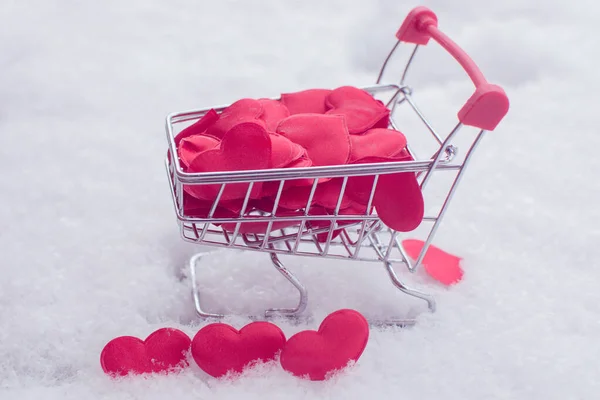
(362, 237)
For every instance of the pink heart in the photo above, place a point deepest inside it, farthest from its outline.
(310, 101)
(399, 201)
(244, 110)
(220, 348)
(273, 113)
(325, 137)
(246, 146)
(361, 110)
(164, 350)
(284, 152)
(440, 265)
(341, 338)
(199, 127)
(377, 142)
(191, 146)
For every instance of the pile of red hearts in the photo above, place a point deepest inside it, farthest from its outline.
(219, 349)
(316, 127)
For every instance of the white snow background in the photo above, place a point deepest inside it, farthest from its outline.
(90, 248)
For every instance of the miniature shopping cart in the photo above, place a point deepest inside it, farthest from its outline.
(359, 237)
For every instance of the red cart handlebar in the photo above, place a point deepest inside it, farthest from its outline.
(489, 104)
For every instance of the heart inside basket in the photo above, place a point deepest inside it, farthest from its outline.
(312, 128)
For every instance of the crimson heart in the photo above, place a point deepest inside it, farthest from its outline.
(284, 152)
(273, 112)
(325, 137)
(440, 265)
(341, 338)
(164, 350)
(199, 127)
(191, 146)
(326, 195)
(399, 201)
(311, 101)
(378, 142)
(219, 348)
(246, 146)
(261, 227)
(244, 110)
(361, 110)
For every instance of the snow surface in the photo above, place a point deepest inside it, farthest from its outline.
(90, 247)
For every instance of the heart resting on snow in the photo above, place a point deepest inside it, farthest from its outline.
(220, 349)
(316, 127)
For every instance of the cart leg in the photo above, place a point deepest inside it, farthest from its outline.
(288, 312)
(403, 288)
(195, 292)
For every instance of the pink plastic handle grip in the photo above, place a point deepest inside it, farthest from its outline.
(489, 104)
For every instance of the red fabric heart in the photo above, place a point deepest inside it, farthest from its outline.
(310, 101)
(191, 146)
(273, 113)
(244, 110)
(440, 265)
(261, 227)
(399, 201)
(362, 111)
(341, 338)
(199, 127)
(378, 142)
(246, 146)
(326, 195)
(220, 348)
(325, 137)
(284, 152)
(164, 350)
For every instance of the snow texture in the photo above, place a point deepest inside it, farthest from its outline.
(90, 247)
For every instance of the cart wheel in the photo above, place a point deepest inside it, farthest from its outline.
(271, 312)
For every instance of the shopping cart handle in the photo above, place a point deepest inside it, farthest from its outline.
(489, 104)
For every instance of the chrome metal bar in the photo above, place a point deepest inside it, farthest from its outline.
(195, 290)
(439, 155)
(408, 64)
(242, 212)
(405, 289)
(273, 213)
(449, 197)
(410, 101)
(387, 59)
(302, 303)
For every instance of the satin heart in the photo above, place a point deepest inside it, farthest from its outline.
(326, 195)
(440, 265)
(378, 142)
(244, 110)
(399, 201)
(310, 101)
(246, 146)
(164, 350)
(284, 152)
(220, 348)
(341, 338)
(273, 113)
(261, 227)
(361, 110)
(199, 127)
(191, 146)
(324, 137)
